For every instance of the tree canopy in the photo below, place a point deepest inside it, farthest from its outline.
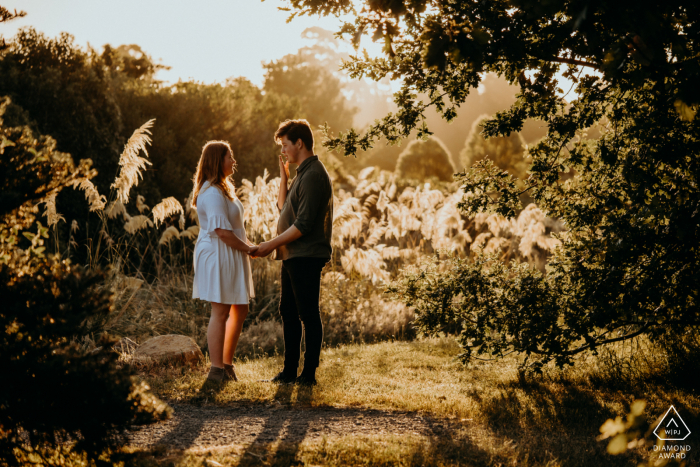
(629, 263)
(65, 93)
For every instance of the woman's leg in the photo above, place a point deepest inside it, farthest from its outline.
(234, 326)
(216, 332)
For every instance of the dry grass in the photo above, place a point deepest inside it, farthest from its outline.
(378, 232)
(351, 311)
(498, 417)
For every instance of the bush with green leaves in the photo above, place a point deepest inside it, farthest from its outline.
(425, 159)
(629, 263)
(55, 400)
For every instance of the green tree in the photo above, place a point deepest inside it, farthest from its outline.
(66, 93)
(505, 151)
(131, 62)
(629, 264)
(423, 160)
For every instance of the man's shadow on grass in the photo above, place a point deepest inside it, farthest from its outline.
(444, 445)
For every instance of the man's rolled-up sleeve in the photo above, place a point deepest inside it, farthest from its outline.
(312, 195)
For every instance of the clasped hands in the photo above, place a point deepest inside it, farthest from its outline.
(261, 250)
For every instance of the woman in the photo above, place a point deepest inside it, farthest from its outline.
(222, 273)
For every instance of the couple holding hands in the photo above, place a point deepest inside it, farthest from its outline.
(222, 273)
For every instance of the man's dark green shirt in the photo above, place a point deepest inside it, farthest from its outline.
(309, 207)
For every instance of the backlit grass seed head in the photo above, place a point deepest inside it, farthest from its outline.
(382, 201)
(52, 217)
(169, 233)
(191, 211)
(116, 208)
(364, 173)
(376, 232)
(166, 208)
(136, 223)
(192, 232)
(333, 277)
(96, 200)
(106, 237)
(260, 206)
(389, 252)
(536, 231)
(140, 205)
(368, 263)
(130, 163)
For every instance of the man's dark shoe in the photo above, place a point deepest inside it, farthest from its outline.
(306, 380)
(282, 377)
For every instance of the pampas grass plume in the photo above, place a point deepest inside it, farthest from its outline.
(52, 217)
(136, 223)
(130, 163)
(96, 200)
(166, 208)
(116, 208)
(170, 233)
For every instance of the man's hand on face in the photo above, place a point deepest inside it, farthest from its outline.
(263, 249)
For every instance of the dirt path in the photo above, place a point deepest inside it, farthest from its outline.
(211, 426)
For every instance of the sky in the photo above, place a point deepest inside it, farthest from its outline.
(208, 41)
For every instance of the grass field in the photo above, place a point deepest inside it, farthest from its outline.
(496, 417)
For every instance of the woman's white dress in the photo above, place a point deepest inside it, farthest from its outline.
(221, 273)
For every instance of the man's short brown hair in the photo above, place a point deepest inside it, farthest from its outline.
(295, 130)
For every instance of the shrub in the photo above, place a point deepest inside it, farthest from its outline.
(423, 160)
(53, 392)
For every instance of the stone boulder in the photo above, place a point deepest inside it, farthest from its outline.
(169, 348)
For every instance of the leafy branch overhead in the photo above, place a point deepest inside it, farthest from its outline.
(629, 263)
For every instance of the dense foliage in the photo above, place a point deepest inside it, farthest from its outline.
(54, 398)
(64, 92)
(629, 263)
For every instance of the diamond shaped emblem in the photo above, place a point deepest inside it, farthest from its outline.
(672, 427)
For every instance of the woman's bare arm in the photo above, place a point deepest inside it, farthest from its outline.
(232, 240)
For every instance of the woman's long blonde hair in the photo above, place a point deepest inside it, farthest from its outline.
(210, 169)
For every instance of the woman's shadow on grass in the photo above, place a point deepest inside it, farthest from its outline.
(184, 436)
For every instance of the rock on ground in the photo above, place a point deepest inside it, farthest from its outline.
(171, 347)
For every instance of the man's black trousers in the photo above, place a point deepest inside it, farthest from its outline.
(301, 287)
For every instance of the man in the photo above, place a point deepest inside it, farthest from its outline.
(303, 243)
